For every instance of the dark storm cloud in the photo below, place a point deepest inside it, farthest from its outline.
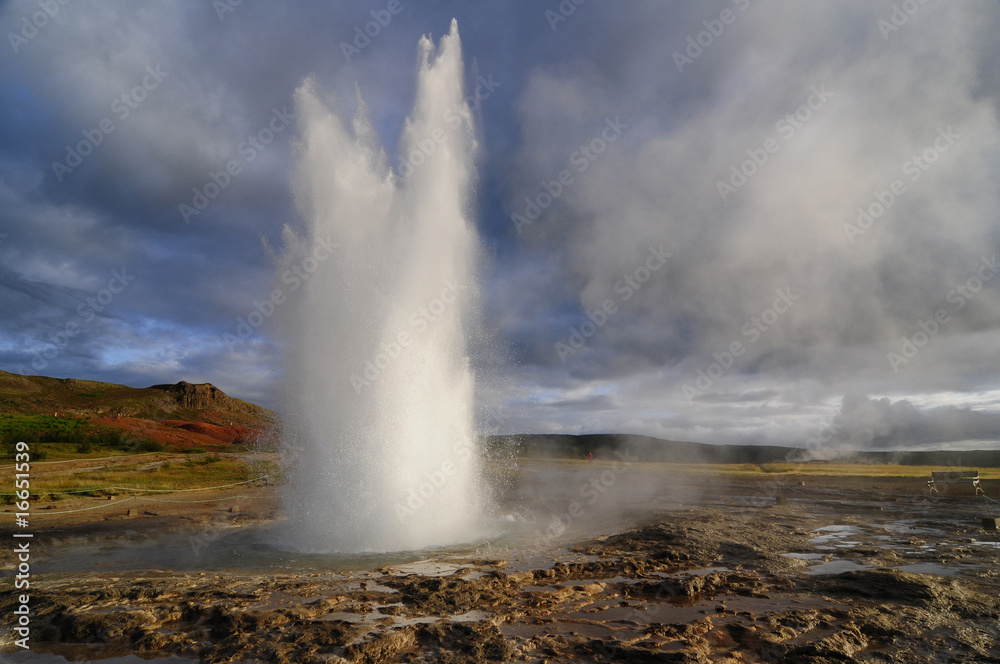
(645, 106)
(114, 115)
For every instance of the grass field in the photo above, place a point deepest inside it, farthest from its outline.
(46, 452)
(144, 473)
(54, 437)
(100, 473)
(770, 470)
(65, 426)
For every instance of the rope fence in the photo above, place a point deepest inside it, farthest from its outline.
(146, 498)
(140, 490)
(125, 500)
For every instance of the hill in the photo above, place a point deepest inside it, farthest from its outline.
(180, 416)
(646, 448)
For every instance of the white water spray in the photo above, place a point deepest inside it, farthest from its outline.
(379, 392)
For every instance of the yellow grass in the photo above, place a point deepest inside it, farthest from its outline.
(171, 472)
(869, 470)
(814, 469)
(140, 474)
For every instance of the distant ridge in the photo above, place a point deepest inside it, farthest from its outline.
(42, 395)
(647, 448)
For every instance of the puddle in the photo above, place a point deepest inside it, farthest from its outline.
(373, 617)
(835, 535)
(844, 530)
(472, 576)
(836, 567)
(353, 617)
(906, 528)
(572, 628)
(935, 568)
(805, 556)
(426, 568)
(670, 613)
(704, 571)
(469, 616)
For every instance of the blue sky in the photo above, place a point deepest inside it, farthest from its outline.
(819, 180)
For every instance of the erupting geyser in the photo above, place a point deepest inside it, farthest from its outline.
(379, 392)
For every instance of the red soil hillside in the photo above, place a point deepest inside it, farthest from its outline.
(231, 434)
(180, 434)
(182, 415)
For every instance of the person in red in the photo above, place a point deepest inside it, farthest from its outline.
(590, 457)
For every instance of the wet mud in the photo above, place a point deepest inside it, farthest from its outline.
(827, 574)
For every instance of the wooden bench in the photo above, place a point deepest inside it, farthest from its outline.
(955, 477)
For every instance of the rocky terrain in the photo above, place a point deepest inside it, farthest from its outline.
(852, 570)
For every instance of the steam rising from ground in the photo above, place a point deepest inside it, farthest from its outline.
(914, 106)
(379, 390)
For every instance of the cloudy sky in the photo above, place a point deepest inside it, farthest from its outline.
(765, 221)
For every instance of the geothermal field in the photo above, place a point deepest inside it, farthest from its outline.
(609, 561)
(601, 332)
